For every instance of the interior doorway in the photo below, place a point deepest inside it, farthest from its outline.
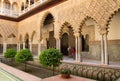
(64, 44)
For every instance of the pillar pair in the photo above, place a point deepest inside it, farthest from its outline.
(104, 47)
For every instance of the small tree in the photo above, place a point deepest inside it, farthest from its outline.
(10, 53)
(23, 56)
(50, 57)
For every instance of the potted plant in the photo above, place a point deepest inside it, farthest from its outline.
(65, 73)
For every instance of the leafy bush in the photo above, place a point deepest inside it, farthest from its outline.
(50, 57)
(10, 53)
(23, 56)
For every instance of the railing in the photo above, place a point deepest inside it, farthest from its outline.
(11, 13)
(8, 12)
(36, 4)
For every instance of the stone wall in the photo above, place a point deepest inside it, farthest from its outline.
(13, 46)
(35, 49)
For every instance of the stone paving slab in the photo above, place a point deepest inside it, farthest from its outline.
(72, 78)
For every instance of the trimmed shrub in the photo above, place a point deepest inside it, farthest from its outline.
(10, 53)
(50, 57)
(23, 56)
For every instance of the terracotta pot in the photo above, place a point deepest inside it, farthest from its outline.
(65, 75)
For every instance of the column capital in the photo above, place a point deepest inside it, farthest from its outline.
(103, 31)
(76, 34)
(57, 38)
(39, 40)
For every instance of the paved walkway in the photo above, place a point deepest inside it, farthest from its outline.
(89, 61)
(22, 75)
(72, 78)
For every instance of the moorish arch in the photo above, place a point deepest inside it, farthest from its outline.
(90, 40)
(7, 4)
(113, 37)
(11, 41)
(15, 7)
(47, 31)
(67, 39)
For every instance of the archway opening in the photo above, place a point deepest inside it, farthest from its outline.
(114, 39)
(90, 42)
(64, 44)
(67, 40)
(11, 41)
(48, 32)
(27, 41)
(6, 4)
(15, 7)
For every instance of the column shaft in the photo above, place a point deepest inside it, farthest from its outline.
(102, 50)
(39, 48)
(76, 47)
(4, 47)
(79, 49)
(30, 46)
(29, 3)
(106, 49)
(18, 46)
(23, 45)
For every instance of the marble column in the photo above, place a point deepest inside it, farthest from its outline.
(23, 45)
(29, 4)
(76, 48)
(18, 46)
(79, 49)
(106, 49)
(102, 50)
(4, 47)
(30, 43)
(39, 48)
